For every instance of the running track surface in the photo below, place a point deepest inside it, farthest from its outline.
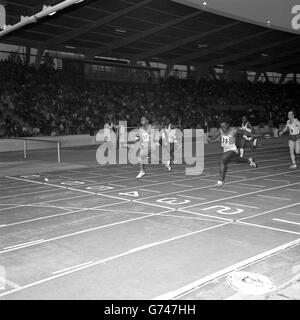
(99, 233)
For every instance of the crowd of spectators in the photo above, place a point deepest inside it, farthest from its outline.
(47, 101)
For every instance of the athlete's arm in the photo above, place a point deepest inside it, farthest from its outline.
(215, 138)
(284, 130)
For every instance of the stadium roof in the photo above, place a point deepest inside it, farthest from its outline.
(155, 30)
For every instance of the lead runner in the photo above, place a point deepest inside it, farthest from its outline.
(231, 153)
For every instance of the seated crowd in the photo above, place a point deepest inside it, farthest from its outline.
(51, 102)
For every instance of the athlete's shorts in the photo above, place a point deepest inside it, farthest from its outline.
(294, 137)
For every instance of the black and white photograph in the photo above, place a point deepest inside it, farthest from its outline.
(150, 153)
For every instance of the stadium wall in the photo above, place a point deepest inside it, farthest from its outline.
(7, 145)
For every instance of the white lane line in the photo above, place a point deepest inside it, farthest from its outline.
(191, 197)
(270, 228)
(123, 177)
(28, 193)
(128, 252)
(252, 185)
(269, 211)
(24, 244)
(287, 221)
(117, 185)
(33, 243)
(73, 267)
(9, 283)
(278, 180)
(189, 218)
(222, 190)
(147, 180)
(181, 185)
(290, 175)
(236, 176)
(276, 198)
(295, 190)
(239, 195)
(228, 183)
(148, 190)
(176, 294)
(242, 205)
(205, 177)
(294, 214)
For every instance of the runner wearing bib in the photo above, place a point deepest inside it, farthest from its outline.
(293, 127)
(227, 135)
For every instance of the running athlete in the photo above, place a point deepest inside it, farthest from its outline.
(247, 137)
(169, 135)
(293, 126)
(146, 137)
(231, 153)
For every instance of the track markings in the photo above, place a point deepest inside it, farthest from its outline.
(180, 292)
(222, 190)
(276, 198)
(294, 190)
(277, 180)
(242, 205)
(102, 261)
(287, 221)
(252, 185)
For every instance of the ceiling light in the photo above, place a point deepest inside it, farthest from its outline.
(202, 45)
(264, 54)
(120, 30)
(51, 13)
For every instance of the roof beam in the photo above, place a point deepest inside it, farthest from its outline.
(123, 42)
(282, 66)
(182, 42)
(260, 60)
(95, 24)
(205, 52)
(240, 55)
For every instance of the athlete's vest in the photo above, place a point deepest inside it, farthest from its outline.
(294, 127)
(171, 133)
(145, 136)
(247, 130)
(228, 140)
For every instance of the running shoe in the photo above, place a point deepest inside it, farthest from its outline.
(252, 163)
(141, 174)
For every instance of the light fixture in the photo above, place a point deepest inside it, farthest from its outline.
(79, 1)
(120, 30)
(52, 13)
(264, 54)
(268, 21)
(204, 3)
(70, 47)
(202, 45)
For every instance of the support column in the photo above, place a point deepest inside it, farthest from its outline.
(168, 70)
(38, 58)
(256, 77)
(282, 78)
(266, 76)
(27, 55)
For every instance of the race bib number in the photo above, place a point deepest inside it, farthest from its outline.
(294, 130)
(225, 141)
(145, 137)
